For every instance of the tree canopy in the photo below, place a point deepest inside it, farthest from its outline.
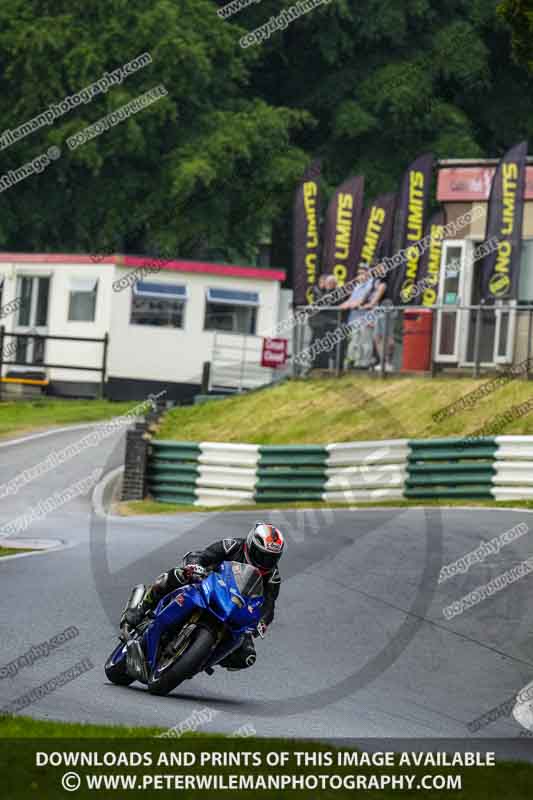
(211, 166)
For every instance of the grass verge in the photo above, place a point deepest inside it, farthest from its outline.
(28, 728)
(11, 551)
(19, 417)
(24, 775)
(350, 408)
(152, 507)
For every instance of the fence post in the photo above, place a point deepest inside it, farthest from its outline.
(434, 344)
(206, 374)
(529, 331)
(477, 341)
(295, 345)
(104, 366)
(384, 342)
(338, 347)
(2, 330)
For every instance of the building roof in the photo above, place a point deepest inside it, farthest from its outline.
(472, 162)
(205, 267)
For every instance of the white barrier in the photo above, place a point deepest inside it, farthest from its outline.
(240, 455)
(226, 477)
(513, 477)
(366, 477)
(220, 497)
(389, 451)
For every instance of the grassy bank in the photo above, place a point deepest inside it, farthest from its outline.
(22, 778)
(151, 507)
(11, 551)
(26, 727)
(21, 417)
(320, 411)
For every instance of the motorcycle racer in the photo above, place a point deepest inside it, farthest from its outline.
(262, 548)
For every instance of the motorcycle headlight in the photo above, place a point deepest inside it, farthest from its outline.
(237, 601)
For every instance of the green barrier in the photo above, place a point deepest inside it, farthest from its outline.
(436, 494)
(157, 465)
(173, 470)
(439, 468)
(173, 480)
(473, 466)
(477, 479)
(452, 442)
(176, 499)
(449, 455)
(291, 472)
(294, 483)
(292, 459)
(277, 496)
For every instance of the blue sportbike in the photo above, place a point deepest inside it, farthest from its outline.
(191, 630)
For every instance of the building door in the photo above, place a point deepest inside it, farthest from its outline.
(449, 319)
(496, 322)
(32, 318)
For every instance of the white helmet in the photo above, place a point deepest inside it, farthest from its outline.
(264, 546)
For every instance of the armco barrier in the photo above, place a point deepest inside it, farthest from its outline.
(216, 474)
(450, 468)
(291, 473)
(366, 471)
(513, 478)
(173, 471)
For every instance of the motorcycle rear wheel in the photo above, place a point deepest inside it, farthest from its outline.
(187, 663)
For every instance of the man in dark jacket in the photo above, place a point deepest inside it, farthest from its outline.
(262, 548)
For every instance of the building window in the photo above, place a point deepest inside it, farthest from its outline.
(525, 285)
(231, 311)
(82, 299)
(160, 304)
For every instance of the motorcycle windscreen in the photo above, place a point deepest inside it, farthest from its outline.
(248, 579)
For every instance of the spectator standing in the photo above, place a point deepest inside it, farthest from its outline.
(318, 322)
(382, 345)
(359, 350)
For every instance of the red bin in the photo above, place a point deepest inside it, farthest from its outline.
(417, 330)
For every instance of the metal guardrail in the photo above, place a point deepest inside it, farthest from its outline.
(236, 364)
(307, 333)
(210, 473)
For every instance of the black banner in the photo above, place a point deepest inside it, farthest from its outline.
(306, 235)
(411, 220)
(425, 290)
(341, 229)
(375, 241)
(501, 268)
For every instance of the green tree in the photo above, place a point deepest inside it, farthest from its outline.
(385, 82)
(519, 16)
(207, 165)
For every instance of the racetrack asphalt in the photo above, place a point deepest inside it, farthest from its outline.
(359, 647)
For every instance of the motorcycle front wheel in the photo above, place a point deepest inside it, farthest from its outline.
(115, 667)
(169, 673)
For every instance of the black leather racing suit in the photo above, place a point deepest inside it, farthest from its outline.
(211, 558)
